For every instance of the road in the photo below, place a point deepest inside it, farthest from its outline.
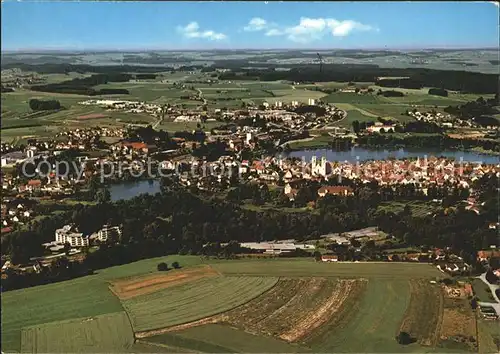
(344, 116)
(296, 140)
(495, 305)
(201, 95)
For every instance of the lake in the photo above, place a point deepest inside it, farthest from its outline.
(362, 154)
(129, 190)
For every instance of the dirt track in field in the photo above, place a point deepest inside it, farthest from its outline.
(129, 288)
(320, 315)
(424, 315)
(92, 116)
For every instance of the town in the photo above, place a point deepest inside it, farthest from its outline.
(244, 177)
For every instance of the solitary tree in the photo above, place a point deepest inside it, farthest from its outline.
(67, 248)
(317, 256)
(404, 338)
(355, 126)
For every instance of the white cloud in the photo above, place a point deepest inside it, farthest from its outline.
(310, 29)
(274, 32)
(256, 24)
(192, 30)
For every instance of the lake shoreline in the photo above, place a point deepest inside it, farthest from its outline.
(391, 148)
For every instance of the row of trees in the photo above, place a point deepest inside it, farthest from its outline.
(44, 105)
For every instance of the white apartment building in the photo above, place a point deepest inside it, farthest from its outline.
(107, 232)
(67, 234)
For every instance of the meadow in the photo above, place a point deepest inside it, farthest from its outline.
(105, 333)
(217, 338)
(76, 298)
(305, 268)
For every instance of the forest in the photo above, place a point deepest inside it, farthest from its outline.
(463, 81)
(182, 221)
(84, 86)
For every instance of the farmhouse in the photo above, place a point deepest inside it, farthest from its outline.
(486, 255)
(329, 258)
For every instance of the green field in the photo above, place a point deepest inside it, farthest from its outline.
(105, 333)
(194, 300)
(489, 337)
(216, 338)
(188, 126)
(316, 142)
(375, 322)
(307, 267)
(82, 297)
(353, 115)
(369, 320)
(482, 290)
(350, 97)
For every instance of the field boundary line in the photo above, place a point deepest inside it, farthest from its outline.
(439, 325)
(165, 346)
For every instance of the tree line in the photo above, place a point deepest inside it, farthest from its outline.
(44, 105)
(84, 86)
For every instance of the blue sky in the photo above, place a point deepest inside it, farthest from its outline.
(211, 25)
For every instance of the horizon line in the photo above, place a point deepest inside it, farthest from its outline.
(110, 50)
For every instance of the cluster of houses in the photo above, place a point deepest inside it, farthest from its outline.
(16, 212)
(433, 116)
(16, 78)
(127, 106)
(90, 134)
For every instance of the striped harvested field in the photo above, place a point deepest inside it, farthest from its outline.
(193, 301)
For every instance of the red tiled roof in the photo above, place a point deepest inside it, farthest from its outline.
(34, 182)
(328, 256)
(488, 254)
(136, 146)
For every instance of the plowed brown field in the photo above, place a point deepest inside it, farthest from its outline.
(294, 308)
(129, 288)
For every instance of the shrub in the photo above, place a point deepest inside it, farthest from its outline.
(176, 265)
(404, 338)
(162, 267)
